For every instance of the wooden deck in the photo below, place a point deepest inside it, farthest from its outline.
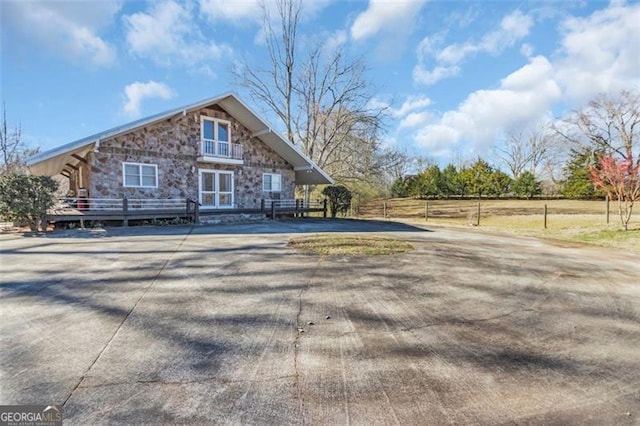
(124, 210)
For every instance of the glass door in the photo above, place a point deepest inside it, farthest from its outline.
(216, 189)
(207, 189)
(225, 189)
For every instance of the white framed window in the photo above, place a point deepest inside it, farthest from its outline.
(216, 136)
(138, 175)
(215, 129)
(271, 182)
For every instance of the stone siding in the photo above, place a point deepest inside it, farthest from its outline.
(174, 145)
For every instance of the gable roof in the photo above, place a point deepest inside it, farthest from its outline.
(54, 161)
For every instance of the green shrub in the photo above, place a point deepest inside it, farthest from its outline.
(26, 199)
(339, 199)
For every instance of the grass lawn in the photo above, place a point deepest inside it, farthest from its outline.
(349, 245)
(567, 220)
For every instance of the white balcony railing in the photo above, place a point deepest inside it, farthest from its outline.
(213, 148)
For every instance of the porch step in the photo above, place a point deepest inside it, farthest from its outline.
(232, 218)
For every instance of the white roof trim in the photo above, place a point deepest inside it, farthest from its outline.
(230, 101)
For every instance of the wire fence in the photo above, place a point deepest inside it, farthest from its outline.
(500, 212)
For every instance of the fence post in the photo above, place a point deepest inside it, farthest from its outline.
(324, 208)
(273, 209)
(545, 216)
(196, 212)
(384, 209)
(607, 201)
(478, 219)
(125, 211)
(296, 214)
(426, 211)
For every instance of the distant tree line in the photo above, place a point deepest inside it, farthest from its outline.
(602, 141)
(482, 180)
(478, 180)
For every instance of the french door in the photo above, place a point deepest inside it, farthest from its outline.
(216, 189)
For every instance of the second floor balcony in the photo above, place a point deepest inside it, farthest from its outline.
(213, 151)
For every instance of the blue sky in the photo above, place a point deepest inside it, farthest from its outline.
(455, 75)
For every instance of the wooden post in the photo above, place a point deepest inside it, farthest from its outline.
(545, 216)
(607, 201)
(324, 208)
(262, 205)
(273, 209)
(125, 211)
(426, 211)
(384, 209)
(296, 214)
(188, 209)
(478, 218)
(196, 212)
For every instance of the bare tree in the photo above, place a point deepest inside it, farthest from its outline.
(12, 149)
(274, 85)
(533, 150)
(323, 99)
(398, 163)
(333, 106)
(611, 126)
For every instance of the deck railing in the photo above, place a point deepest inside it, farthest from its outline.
(125, 209)
(213, 148)
(119, 204)
(293, 206)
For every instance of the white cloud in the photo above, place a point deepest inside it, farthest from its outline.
(244, 13)
(424, 76)
(527, 50)
(137, 92)
(168, 34)
(335, 40)
(599, 53)
(415, 119)
(523, 96)
(412, 103)
(412, 112)
(238, 12)
(513, 28)
(69, 29)
(384, 15)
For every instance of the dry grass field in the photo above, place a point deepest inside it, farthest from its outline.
(567, 220)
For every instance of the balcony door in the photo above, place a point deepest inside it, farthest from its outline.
(216, 189)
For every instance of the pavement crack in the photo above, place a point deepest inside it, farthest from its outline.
(298, 337)
(221, 380)
(126, 317)
(467, 321)
(296, 344)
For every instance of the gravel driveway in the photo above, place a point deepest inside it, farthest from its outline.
(224, 324)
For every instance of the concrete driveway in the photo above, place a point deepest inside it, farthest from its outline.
(213, 325)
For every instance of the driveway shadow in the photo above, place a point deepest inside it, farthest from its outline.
(283, 226)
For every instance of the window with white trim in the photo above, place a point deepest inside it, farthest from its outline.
(216, 135)
(138, 175)
(271, 182)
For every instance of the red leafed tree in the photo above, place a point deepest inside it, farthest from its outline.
(610, 124)
(620, 179)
